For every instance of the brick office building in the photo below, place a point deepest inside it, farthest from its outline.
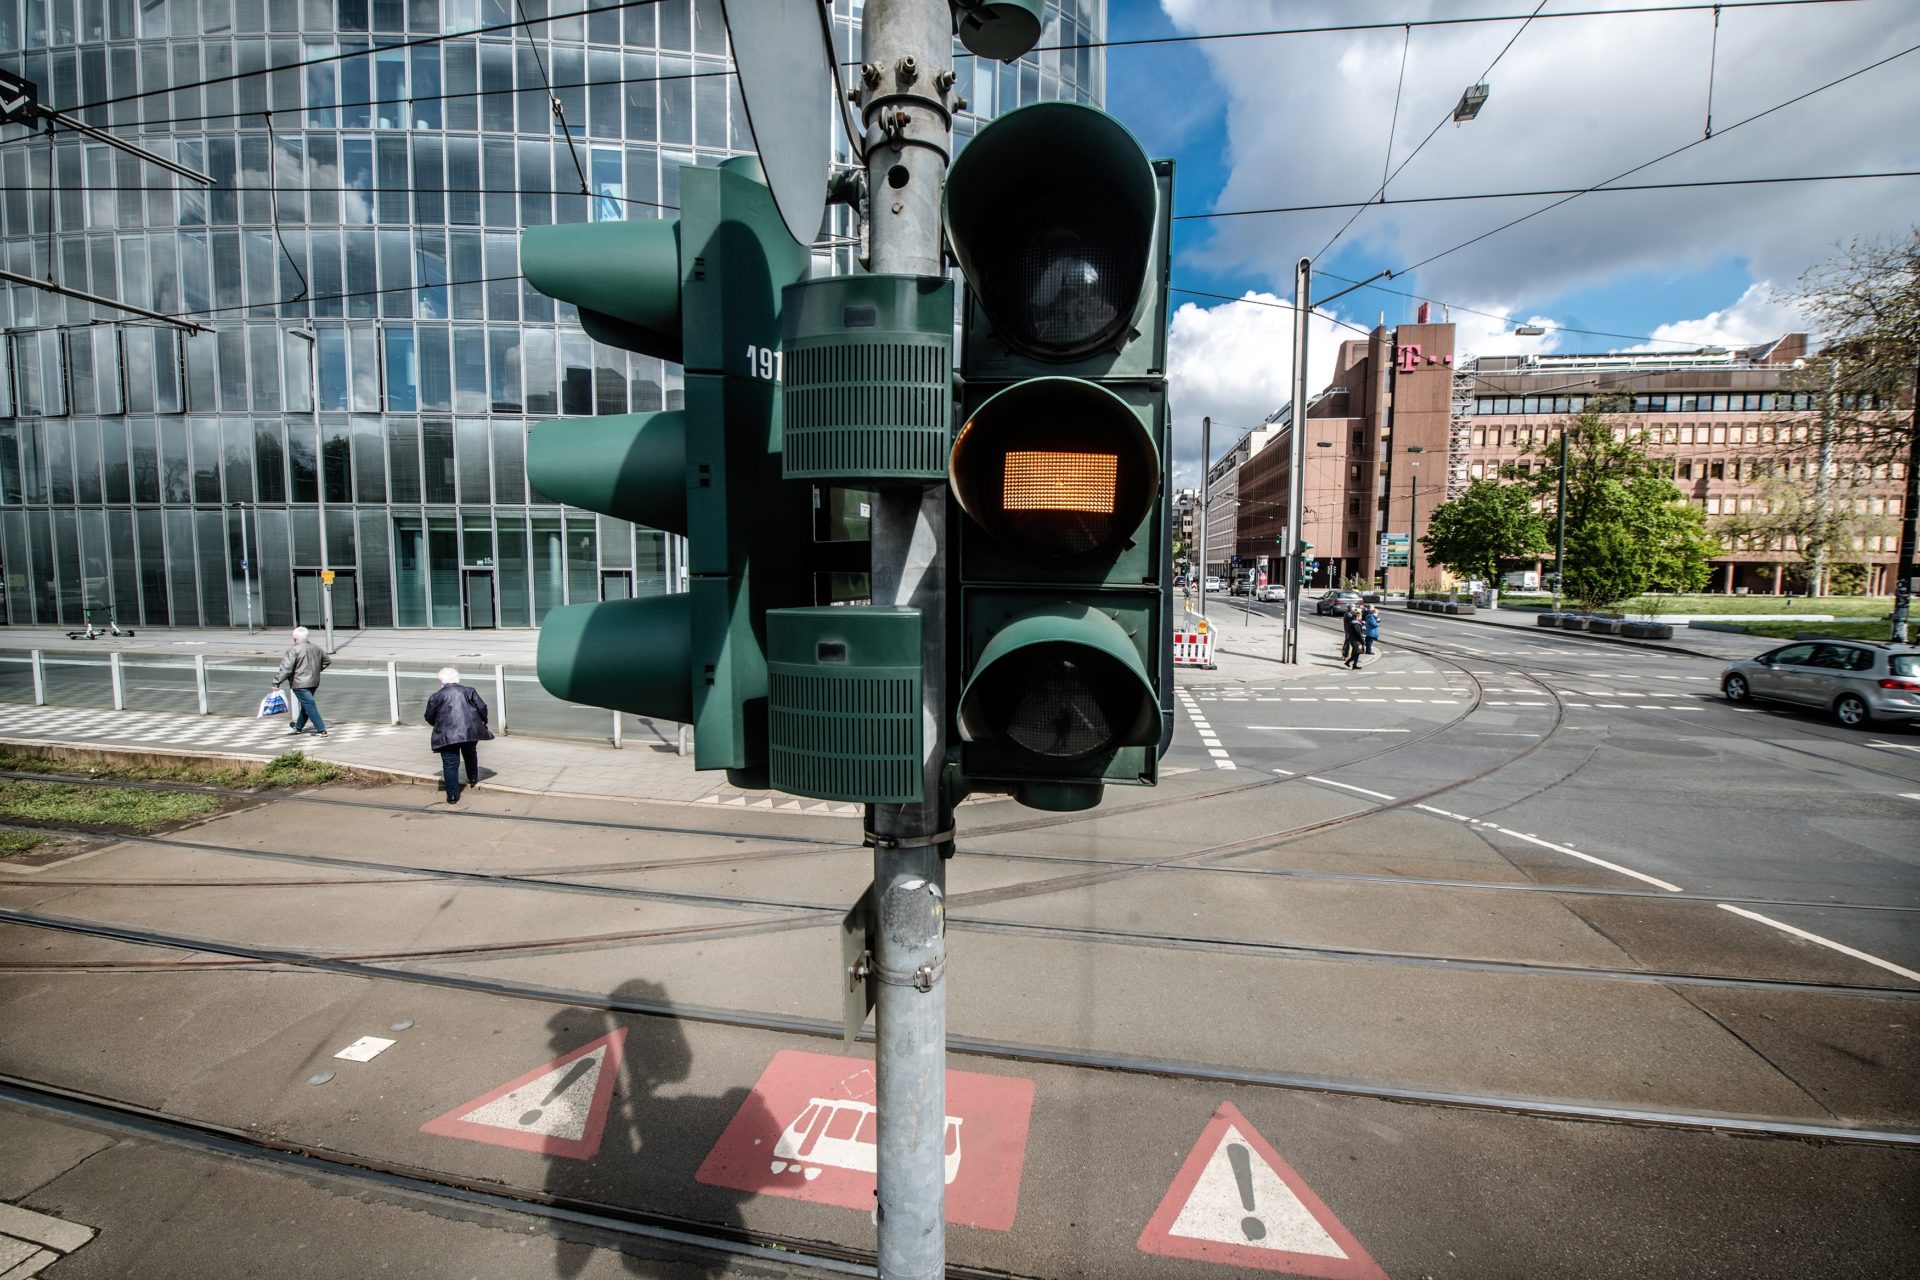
(1404, 423)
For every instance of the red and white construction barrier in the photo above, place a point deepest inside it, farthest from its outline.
(1193, 646)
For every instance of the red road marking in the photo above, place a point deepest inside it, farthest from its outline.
(807, 1131)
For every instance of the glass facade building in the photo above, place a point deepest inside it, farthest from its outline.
(358, 396)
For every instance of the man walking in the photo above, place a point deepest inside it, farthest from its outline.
(1353, 638)
(300, 668)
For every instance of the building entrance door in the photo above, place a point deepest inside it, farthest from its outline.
(309, 593)
(478, 594)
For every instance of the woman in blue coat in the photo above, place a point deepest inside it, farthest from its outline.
(458, 715)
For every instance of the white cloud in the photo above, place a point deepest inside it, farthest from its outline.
(1756, 317)
(1573, 102)
(1233, 363)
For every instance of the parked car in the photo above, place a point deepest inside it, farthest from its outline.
(1214, 583)
(1336, 602)
(1855, 681)
(1272, 593)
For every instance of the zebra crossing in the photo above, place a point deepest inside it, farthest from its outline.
(268, 737)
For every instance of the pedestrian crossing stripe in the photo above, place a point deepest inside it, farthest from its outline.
(1235, 1201)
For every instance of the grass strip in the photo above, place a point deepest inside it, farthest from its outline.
(290, 769)
(78, 804)
(13, 843)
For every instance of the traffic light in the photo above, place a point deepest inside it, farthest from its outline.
(705, 291)
(1060, 557)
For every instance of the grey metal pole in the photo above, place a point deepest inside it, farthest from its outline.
(1903, 584)
(1206, 503)
(246, 566)
(1297, 454)
(1560, 530)
(907, 76)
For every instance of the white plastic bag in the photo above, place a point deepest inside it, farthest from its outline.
(274, 704)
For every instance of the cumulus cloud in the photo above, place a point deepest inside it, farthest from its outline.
(1233, 363)
(1574, 101)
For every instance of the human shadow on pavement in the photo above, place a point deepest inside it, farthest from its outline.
(652, 1145)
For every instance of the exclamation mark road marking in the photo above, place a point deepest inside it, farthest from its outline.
(567, 1081)
(1242, 1163)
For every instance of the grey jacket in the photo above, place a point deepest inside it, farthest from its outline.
(302, 664)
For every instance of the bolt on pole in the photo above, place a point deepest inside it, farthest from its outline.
(907, 56)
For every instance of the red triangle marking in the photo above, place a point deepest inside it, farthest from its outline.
(1159, 1238)
(585, 1147)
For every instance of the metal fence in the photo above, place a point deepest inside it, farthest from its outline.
(384, 693)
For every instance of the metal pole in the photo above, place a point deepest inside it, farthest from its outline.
(907, 57)
(1909, 529)
(200, 681)
(246, 565)
(1297, 454)
(1206, 503)
(1560, 530)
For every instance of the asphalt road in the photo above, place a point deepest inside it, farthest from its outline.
(1441, 930)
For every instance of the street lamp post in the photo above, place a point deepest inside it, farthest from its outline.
(1413, 516)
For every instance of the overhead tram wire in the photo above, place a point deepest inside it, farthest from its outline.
(1551, 191)
(504, 27)
(1687, 146)
(1386, 178)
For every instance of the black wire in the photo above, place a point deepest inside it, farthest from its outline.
(1441, 124)
(1560, 191)
(559, 111)
(1781, 106)
(273, 152)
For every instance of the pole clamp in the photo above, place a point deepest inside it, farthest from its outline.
(921, 979)
(873, 840)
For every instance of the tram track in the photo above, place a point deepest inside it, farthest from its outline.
(1032, 1053)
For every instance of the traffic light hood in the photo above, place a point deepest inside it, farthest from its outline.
(624, 277)
(1050, 212)
(1062, 682)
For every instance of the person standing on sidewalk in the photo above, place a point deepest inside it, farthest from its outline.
(458, 715)
(300, 668)
(1353, 638)
(1369, 626)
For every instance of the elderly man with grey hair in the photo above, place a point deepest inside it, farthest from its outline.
(300, 667)
(458, 715)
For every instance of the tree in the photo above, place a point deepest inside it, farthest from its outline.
(1866, 302)
(1489, 522)
(1628, 527)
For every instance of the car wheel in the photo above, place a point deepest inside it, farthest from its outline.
(1850, 709)
(1735, 687)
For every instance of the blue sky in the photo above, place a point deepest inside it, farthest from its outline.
(1258, 122)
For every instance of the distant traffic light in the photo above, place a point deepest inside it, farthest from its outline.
(1061, 562)
(704, 290)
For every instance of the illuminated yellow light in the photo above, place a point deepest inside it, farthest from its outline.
(1060, 482)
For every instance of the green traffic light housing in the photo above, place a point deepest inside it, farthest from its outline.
(1054, 213)
(1002, 29)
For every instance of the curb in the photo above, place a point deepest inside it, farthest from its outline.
(72, 753)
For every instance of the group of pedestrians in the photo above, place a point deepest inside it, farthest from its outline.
(456, 711)
(1359, 628)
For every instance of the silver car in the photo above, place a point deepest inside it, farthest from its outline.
(1856, 681)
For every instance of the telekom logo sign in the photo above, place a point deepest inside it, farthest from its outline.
(1407, 356)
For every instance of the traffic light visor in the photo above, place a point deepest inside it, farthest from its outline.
(1063, 683)
(1057, 470)
(1050, 213)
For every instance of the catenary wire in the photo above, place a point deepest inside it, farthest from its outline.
(1687, 146)
(1439, 125)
